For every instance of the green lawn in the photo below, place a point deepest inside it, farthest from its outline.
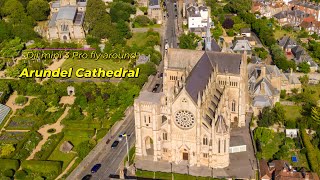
(75, 139)
(136, 25)
(138, 39)
(90, 64)
(280, 33)
(292, 112)
(164, 175)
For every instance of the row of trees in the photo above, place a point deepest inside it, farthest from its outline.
(113, 26)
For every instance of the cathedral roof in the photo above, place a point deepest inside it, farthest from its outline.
(221, 126)
(200, 74)
(150, 97)
(67, 13)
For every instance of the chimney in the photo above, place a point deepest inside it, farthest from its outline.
(263, 72)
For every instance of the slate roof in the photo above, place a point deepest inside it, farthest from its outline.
(214, 46)
(261, 101)
(52, 21)
(293, 79)
(55, 4)
(245, 30)
(281, 15)
(66, 147)
(201, 64)
(67, 12)
(286, 41)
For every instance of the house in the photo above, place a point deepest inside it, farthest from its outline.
(241, 46)
(287, 43)
(307, 24)
(282, 170)
(198, 16)
(246, 32)
(264, 85)
(281, 17)
(290, 81)
(66, 20)
(306, 7)
(292, 133)
(300, 55)
(295, 17)
(154, 11)
(252, 41)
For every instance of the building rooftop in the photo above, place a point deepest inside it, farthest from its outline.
(67, 13)
(153, 4)
(151, 97)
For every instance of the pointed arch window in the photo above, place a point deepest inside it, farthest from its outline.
(205, 141)
(165, 136)
(233, 106)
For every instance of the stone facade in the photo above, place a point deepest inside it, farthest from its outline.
(66, 20)
(204, 96)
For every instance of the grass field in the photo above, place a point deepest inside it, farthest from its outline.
(138, 39)
(292, 112)
(67, 157)
(280, 33)
(90, 64)
(164, 175)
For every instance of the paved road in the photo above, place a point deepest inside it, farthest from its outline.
(111, 159)
(171, 34)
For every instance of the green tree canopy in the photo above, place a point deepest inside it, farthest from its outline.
(189, 41)
(304, 67)
(38, 9)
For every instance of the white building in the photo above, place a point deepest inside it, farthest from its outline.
(197, 16)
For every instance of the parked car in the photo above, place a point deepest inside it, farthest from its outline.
(157, 85)
(87, 177)
(114, 144)
(161, 75)
(154, 90)
(95, 168)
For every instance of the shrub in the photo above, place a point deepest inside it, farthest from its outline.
(21, 100)
(311, 151)
(142, 20)
(283, 94)
(6, 164)
(42, 167)
(8, 173)
(21, 174)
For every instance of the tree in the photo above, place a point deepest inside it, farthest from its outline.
(121, 11)
(304, 67)
(315, 114)
(142, 20)
(38, 9)
(5, 30)
(6, 149)
(304, 79)
(12, 48)
(124, 29)
(283, 94)
(217, 31)
(228, 23)
(189, 41)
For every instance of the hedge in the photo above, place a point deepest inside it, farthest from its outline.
(79, 124)
(80, 133)
(43, 167)
(311, 151)
(49, 147)
(6, 164)
(24, 150)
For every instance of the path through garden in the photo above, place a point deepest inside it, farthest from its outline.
(54, 66)
(45, 134)
(67, 169)
(10, 103)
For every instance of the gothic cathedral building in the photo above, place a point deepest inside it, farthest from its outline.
(204, 96)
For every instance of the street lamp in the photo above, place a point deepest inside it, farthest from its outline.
(188, 168)
(125, 135)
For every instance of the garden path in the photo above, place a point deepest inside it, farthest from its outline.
(45, 135)
(67, 169)
(10, 103)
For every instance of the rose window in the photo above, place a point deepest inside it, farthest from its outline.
(184, 119)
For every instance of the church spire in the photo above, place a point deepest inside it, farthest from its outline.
(208, 35)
